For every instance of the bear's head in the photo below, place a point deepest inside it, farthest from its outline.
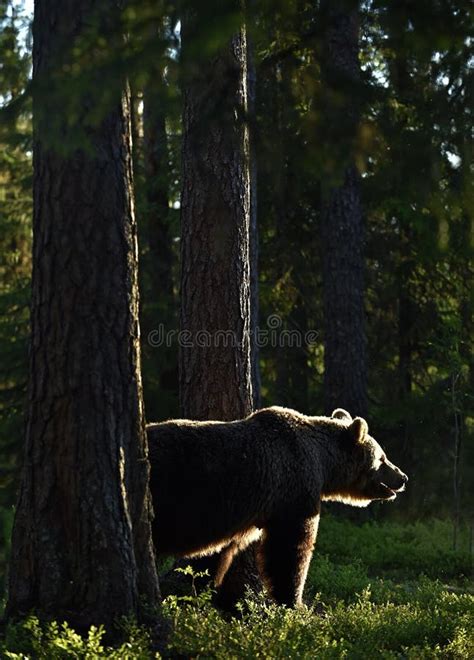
(368, 474)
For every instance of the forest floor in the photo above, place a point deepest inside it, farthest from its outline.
(380, 590)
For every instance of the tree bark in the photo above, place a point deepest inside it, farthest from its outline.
(345, 345)
(254, 240)
(81, 547)
(215, 356)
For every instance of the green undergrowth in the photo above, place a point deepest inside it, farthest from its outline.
(398, 549)
(375, 591)
(54, 641)
(431, 623)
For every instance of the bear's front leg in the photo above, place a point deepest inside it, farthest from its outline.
(284, 556)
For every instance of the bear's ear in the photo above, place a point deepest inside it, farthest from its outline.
(340, 413)
(358, 429)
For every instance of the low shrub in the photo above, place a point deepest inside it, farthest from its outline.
(362, 630)
(58, 641)
(375, 591)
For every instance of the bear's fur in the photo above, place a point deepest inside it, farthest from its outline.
(218, 486)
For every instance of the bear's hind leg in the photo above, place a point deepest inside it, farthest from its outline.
(237, 545)
(284, 556)
(226, 557)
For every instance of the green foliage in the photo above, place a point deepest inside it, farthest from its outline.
(430, 623)
(441, 629)
(54, 641)
(354, 611)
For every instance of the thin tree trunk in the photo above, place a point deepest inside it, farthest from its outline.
(462, 389)
(81, 547)
(215, 364)
(345, 345)
(215, 357)
(254, 250)
(457, 446)
(406, 321)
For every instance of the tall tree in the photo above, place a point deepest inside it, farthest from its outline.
(215, 356)
(345, 352)
(81, 547)
(215, 365)
(251, 112)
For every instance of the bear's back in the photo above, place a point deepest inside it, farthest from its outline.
(210, 480)
(203, 475)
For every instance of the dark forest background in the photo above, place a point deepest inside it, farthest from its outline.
(412, 105)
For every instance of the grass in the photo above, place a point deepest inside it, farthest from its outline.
(376, 591)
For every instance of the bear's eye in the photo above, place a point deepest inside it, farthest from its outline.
(379, 461)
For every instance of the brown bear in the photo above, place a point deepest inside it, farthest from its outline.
(218, 486)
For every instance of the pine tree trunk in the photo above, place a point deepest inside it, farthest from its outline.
(345, 345)
(215, 357)
(215, 361)
(81, 547)
(254, 239)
